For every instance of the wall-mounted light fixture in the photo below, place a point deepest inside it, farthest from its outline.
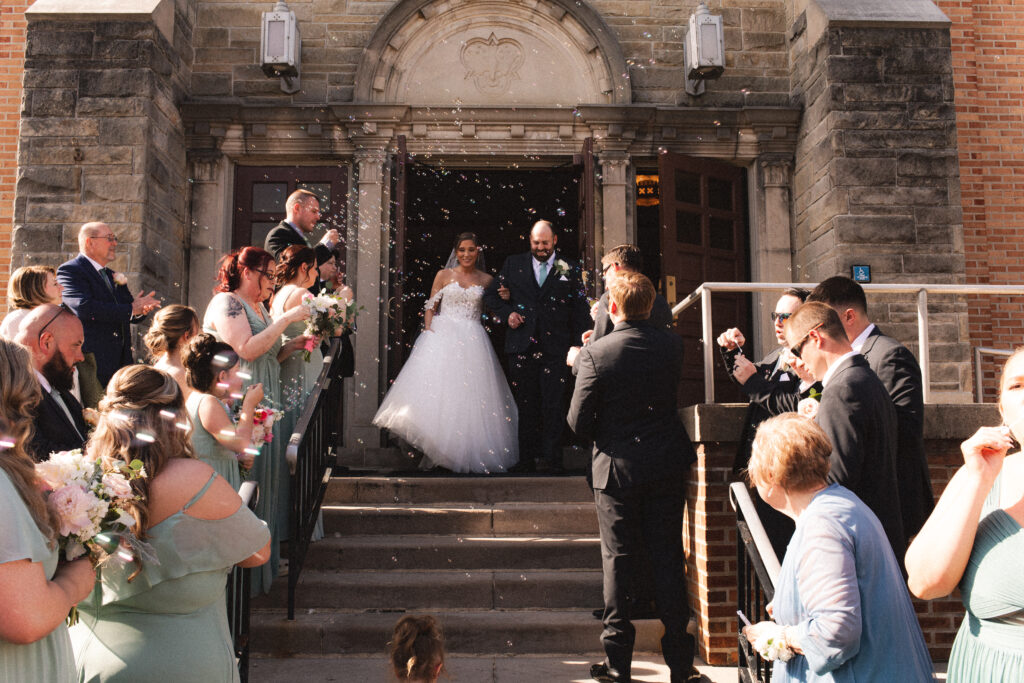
(703, 50)
(281, 46)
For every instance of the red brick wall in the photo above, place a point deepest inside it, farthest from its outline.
(988, 58)
(12, 56)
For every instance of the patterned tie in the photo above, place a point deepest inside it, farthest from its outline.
(543, 273)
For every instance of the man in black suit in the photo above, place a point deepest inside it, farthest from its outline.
(54, 337)
(625, 401)
(546, 310)
(625, 258)
(856, 413)
(774, 385)
(899, 371)
(302, 213)
(101, 300)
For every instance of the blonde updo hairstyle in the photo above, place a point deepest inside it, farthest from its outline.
(141, 417)
(170, 325)
(789, 451)
(417, 649)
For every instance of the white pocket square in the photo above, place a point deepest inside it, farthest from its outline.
(564, 279)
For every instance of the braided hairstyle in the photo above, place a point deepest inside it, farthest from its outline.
(417, 649)
(204, 359)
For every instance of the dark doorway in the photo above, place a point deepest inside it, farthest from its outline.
(498, 205)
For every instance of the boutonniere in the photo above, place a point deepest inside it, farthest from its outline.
(560, 268)
(120, 278)
(808, 407)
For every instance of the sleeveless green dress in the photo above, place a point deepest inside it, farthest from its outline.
(207, 448)
(270, 471)
(990, 644)
(169, 623)
(50, 658)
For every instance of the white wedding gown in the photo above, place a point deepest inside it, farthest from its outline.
(451, 399)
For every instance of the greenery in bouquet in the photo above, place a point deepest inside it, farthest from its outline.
(264, 417)
(327, 314)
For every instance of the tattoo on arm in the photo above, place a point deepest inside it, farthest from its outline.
(233, 307)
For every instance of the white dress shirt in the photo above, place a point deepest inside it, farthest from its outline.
(858, 343)
(832, 368)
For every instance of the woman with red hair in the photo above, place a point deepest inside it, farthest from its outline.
(236, 315)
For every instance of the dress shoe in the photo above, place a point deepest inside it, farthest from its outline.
(605, 674)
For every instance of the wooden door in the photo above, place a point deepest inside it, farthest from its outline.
(703, 239)
(585, 205)
(261, 191)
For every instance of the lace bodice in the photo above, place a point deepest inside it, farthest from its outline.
(464, 303)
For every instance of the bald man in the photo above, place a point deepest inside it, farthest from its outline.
(546, 312)
(54, 337)
(101, 300)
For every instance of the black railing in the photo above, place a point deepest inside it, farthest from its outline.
(311, 455)
(757, 570)
(238, 597)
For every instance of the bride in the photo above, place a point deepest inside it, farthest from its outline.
(450, 399)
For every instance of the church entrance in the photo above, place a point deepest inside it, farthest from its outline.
(498, 205)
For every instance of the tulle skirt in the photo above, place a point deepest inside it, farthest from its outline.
(452, 402)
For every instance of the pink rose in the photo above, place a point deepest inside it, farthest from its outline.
(808, 407)
(117, 486)
(310, 344)
(72, 505)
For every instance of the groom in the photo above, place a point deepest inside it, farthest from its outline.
(546, 311)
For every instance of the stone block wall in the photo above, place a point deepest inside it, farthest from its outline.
(12, 52)
(876, 179)
(102, 139)
(650, 33)
(709, 531)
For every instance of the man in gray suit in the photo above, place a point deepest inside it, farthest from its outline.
(896, 366)
(625, 401)
(856, 413)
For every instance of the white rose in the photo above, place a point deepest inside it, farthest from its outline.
(808, 407)
(120, 278)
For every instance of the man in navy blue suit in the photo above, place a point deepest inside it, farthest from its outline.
(101, 300)
(546, 312)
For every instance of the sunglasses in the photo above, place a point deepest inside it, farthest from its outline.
(781, 317)
(798, 348)
(64, 308)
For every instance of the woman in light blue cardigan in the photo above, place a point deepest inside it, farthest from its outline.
(840, 599)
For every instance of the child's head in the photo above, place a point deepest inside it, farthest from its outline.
(417, 649)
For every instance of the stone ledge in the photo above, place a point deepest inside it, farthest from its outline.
(160, 12)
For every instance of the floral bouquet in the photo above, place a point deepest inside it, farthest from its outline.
(263, 425)
(771, 643)
(327, 313)
(88, 497)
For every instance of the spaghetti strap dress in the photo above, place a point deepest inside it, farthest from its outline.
(50, 658)
(207, 448)
(269, 471)
(169, 623)
(989, 646)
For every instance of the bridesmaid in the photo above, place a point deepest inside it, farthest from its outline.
(172, 327)
(165, 620)
(296, 273)
(236, 315)
(35, 594)
(213, 375)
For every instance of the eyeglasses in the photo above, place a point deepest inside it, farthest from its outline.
(267, 274)
(109, 238)
(781, 317)
(798, 348)
(64, 308)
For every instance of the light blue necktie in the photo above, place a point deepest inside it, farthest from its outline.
(543, 273)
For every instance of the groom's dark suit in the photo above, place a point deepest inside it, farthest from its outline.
(284, 235)
(555, 315)
(625, 401)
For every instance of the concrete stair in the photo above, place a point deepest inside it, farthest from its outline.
(509, 564)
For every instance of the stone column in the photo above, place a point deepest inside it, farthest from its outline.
(371, 250)
(614, 199)
(210, 208)
(770, 239)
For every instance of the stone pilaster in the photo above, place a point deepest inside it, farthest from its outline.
(615, 197)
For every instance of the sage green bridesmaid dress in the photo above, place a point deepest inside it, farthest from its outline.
(50, 658)
(989, 647)
(207, 448)
(169, 623)
(269, 471)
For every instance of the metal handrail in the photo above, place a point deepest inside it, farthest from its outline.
(979, 396)
(703, 294)
(238, 594)
(311, 455)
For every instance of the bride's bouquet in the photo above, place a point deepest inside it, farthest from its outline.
(329, 315)
(88, 498)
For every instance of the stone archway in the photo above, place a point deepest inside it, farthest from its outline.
(493, 52)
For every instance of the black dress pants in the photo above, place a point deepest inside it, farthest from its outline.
(538, 382)
(644, 521)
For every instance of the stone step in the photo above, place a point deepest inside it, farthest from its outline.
(504, 519)
(471, 589)
(455, 552)
(317, 632)
(395, 460)
(467, 489)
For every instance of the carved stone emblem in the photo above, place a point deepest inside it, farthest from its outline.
(492, 64)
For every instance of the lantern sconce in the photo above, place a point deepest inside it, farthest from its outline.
(281, 46)
(703, 49)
